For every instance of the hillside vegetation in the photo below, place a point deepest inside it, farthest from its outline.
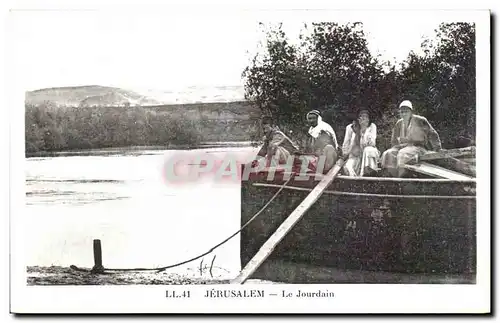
(52, 128)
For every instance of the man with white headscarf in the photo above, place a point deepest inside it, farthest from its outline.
(412, 136)
(323, 141)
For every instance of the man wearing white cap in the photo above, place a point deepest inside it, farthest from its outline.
(412, 135)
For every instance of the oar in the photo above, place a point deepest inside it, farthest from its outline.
(448, 153)
(268, 247)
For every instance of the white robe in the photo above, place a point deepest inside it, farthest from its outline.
(356, 163)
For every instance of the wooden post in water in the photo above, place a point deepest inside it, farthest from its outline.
(98, 267)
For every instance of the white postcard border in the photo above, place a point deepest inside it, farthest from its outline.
(349, 298)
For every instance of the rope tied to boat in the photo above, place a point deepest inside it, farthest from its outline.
(160, 269)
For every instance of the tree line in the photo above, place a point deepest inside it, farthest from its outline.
(331, 69)
(52, 128)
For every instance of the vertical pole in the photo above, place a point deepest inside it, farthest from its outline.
(98, 268)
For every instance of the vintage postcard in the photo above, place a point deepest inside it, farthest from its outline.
(222, 160)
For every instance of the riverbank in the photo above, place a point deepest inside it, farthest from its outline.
(54, 128)
(138, 149)
(56, 275)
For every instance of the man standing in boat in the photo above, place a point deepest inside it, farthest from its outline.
(411, 137)
(322, 141)
(277, 146)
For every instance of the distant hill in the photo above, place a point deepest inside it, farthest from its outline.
(119, 125)
(197, 94)
(96, 95)
(90, 95)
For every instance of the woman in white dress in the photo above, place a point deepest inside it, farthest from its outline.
(360, 146)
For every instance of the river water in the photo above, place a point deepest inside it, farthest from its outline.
(141, 219)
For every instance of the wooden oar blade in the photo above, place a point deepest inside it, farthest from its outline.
(268, 247)
(436, 171)
(457, 165)
(449, 153)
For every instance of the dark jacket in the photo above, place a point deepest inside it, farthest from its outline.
(277, 139)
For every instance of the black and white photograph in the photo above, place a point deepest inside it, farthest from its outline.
(202, 157)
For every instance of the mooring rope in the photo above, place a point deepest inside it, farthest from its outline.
(160, 269)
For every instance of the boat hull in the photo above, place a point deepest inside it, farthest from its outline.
(364, 230)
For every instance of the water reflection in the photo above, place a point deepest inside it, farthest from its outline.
(124, 201)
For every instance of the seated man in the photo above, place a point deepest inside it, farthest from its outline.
(351, 149)
(359, 146)
(411, 136)
(323, 141)
(277, 146)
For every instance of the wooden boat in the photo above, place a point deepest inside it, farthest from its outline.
(363, 230)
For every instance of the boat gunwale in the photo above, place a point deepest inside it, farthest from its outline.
(318, 177)
(359, 194)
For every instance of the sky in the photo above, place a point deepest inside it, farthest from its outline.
(170, 50)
